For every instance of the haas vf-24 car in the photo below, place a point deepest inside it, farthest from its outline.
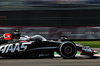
(37, 47)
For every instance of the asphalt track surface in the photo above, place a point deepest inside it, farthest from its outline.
(58, 61)
(50, 62)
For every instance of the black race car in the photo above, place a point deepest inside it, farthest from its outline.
(37, 47)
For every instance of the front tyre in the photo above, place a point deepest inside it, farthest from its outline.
(67, 49)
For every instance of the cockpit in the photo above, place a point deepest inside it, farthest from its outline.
(37, 38)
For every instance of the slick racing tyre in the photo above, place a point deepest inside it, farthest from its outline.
(67, 49)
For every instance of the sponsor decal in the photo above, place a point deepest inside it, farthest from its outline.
(42, 55)
(11, 48)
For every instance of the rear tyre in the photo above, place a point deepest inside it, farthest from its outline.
(67, 50)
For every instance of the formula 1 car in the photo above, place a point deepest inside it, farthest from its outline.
(39, 47)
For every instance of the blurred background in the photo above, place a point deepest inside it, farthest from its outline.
(52, 15)
(46, 2)
(49, 12)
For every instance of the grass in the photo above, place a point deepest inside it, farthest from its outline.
(92, 44)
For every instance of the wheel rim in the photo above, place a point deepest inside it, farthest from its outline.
(68, 49)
